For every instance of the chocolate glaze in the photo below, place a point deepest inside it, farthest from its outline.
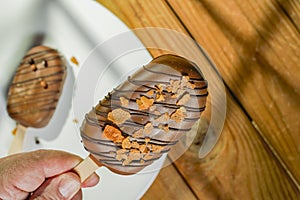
(36, 87)
(159, 71)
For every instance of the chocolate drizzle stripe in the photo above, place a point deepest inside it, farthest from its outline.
(168, 74)
(139, 140)
(41, 52)
(32, 111)
(34, 100)
(139, 112)
(38, 78)
(142, 83)
(165, 105)
(27, 70)
(36, 85)
(114, 161)
(133, 124)
(26, 63)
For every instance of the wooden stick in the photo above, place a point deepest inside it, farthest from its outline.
(86, 168)
(17, 143)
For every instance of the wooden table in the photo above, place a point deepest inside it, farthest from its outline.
(256, 47)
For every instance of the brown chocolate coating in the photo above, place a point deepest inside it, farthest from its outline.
(157, 78)
(36, 87)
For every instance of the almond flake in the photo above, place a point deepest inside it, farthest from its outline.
(113, 134)
(124, 101)
(144, 102)
(118, 116)
(184, 99)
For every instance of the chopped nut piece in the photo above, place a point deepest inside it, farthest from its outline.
(191, 85)
(135, 145)
(175, 85)
(121, 154)
(14, 131)
(118, 116)
(148, 128)
(144, 102)
(147, 140)
(150, 92)
(75, 121)
(184, 99)
(184, 81)
(134, 154)
(142, 161)
(156, 148)
(113, 134)
(124, 101)
(160, 87)
(148, 156)
(126, 144)
(138, 133)
(179, 114)
(74, 60)
(169, 89)
(127, 161)
(159, 97)
(163, 118)
(164, 127)
(143, 148)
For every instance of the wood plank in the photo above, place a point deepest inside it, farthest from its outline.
(257, 49)
(239, 168)
(292, 10)
(169, 185)
(263, 176)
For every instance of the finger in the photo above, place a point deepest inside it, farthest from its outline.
(62, 187)
(91, 181)
(27, 171)
(78, 196)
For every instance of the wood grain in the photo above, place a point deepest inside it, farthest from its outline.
(240, 167)
(243, 164)
(169, 185)
(257, 49)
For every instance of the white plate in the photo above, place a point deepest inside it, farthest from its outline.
(75, 28)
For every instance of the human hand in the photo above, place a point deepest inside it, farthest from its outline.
(42, 174)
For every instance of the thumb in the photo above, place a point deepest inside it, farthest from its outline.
(64, 186)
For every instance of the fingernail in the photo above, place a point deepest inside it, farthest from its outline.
(69, 187)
